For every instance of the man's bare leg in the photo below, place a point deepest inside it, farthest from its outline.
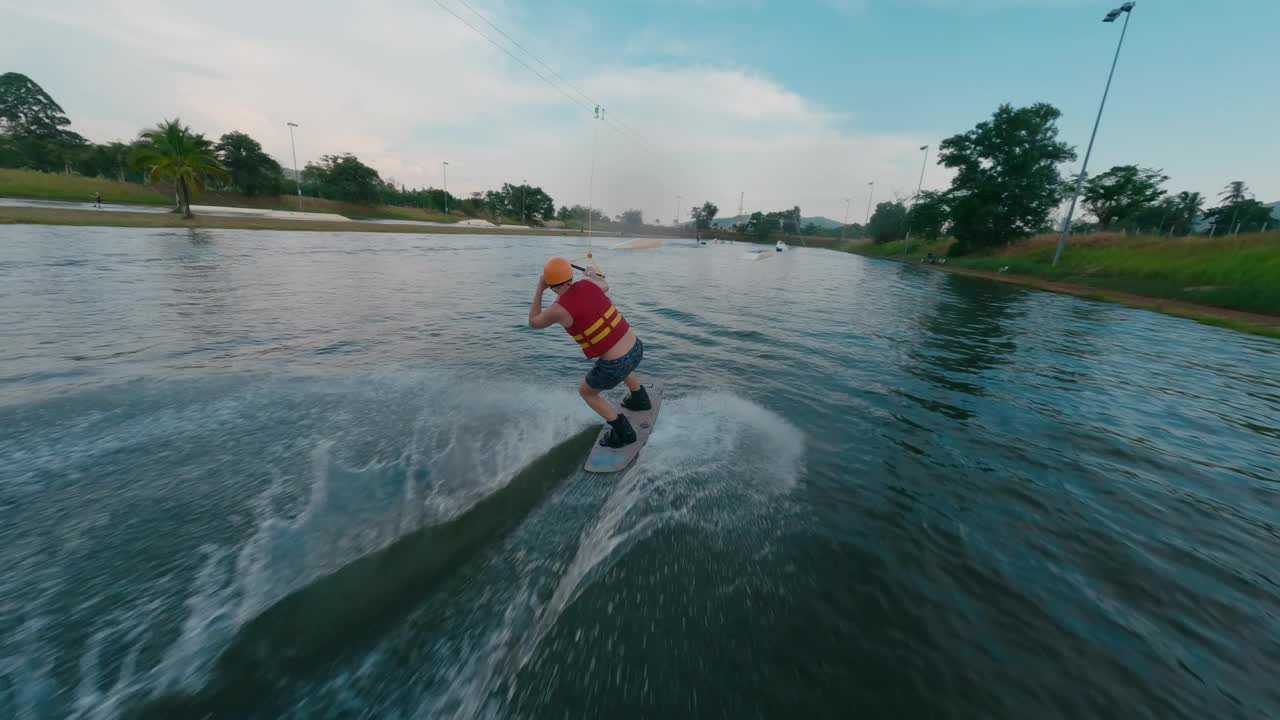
(602, 406)
(632, 382)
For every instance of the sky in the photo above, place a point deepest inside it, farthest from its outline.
(796, 102)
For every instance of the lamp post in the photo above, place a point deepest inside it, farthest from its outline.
(846, 218)
(676, 218)
(444, 167)
(1126, 10)
(920, 186)
(297, 174)
(524, 201)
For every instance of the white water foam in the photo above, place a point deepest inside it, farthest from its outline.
(712, 461)
(473, 439)
(463, 439)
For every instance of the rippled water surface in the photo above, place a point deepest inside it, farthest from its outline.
(309, 475)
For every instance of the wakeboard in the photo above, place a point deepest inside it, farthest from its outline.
(610, 460)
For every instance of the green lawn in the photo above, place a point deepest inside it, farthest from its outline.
(51, 186)
(1240, 273)
(391, 212)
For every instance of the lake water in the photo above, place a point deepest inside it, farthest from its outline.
(310, 475)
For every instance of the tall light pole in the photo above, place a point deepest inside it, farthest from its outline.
(846, 217)
(297, 174)
(919, 186)
(444, 167)
(591, 186)
(676, 218)
(524, 201)
(871, 193)
(1126, 10)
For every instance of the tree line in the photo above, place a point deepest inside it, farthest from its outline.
(35, 134)
(1008, 183)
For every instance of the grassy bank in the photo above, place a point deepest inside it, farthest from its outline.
(1189, 277)
(57, 216)
(51, 186)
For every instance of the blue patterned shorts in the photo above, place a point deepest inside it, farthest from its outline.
(608, 373)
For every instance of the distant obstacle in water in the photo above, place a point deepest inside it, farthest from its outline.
(640, 244)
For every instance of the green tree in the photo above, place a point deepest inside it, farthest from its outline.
(33, 127)
(1007, 180)
(170, 150)
(705, 215)
(1122, 193)
(473, 205)
(252, 171)
(790, 220)
(27, 110)
(631, 217)
(1155, 218)
(427, 199)
(888, 222)
(1238, 212)
(929, 215)
(344, 177)
(1189, 207)
(852, 231)
(1174, 214)
(576, 216)
(495, 203)
(1236, 191)
(1247, 215)
(761, 226)
(108, 161)
(526, 202)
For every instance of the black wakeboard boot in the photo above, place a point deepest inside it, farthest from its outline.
(620, 434)
(638, 401)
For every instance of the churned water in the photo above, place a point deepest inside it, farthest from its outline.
(309, 475)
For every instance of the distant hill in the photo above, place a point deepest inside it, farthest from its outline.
(727, 222)
(825, 223)
(822, 222)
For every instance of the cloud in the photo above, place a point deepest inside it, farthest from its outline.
(404, 85)
(725, 131)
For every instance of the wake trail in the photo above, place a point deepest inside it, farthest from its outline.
(713, 461)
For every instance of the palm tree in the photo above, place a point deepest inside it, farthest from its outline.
(171, 150)
(1235, 191)
(1190, 205)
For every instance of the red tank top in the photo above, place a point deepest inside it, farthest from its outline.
(597, 324)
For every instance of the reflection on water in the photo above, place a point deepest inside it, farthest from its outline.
(875, 489)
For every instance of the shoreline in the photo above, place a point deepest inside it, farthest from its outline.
(1238, 320)
(93, 218)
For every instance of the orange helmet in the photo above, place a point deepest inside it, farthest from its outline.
(556, 271)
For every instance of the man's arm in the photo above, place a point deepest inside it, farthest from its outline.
(553, 315)
(598, 279)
